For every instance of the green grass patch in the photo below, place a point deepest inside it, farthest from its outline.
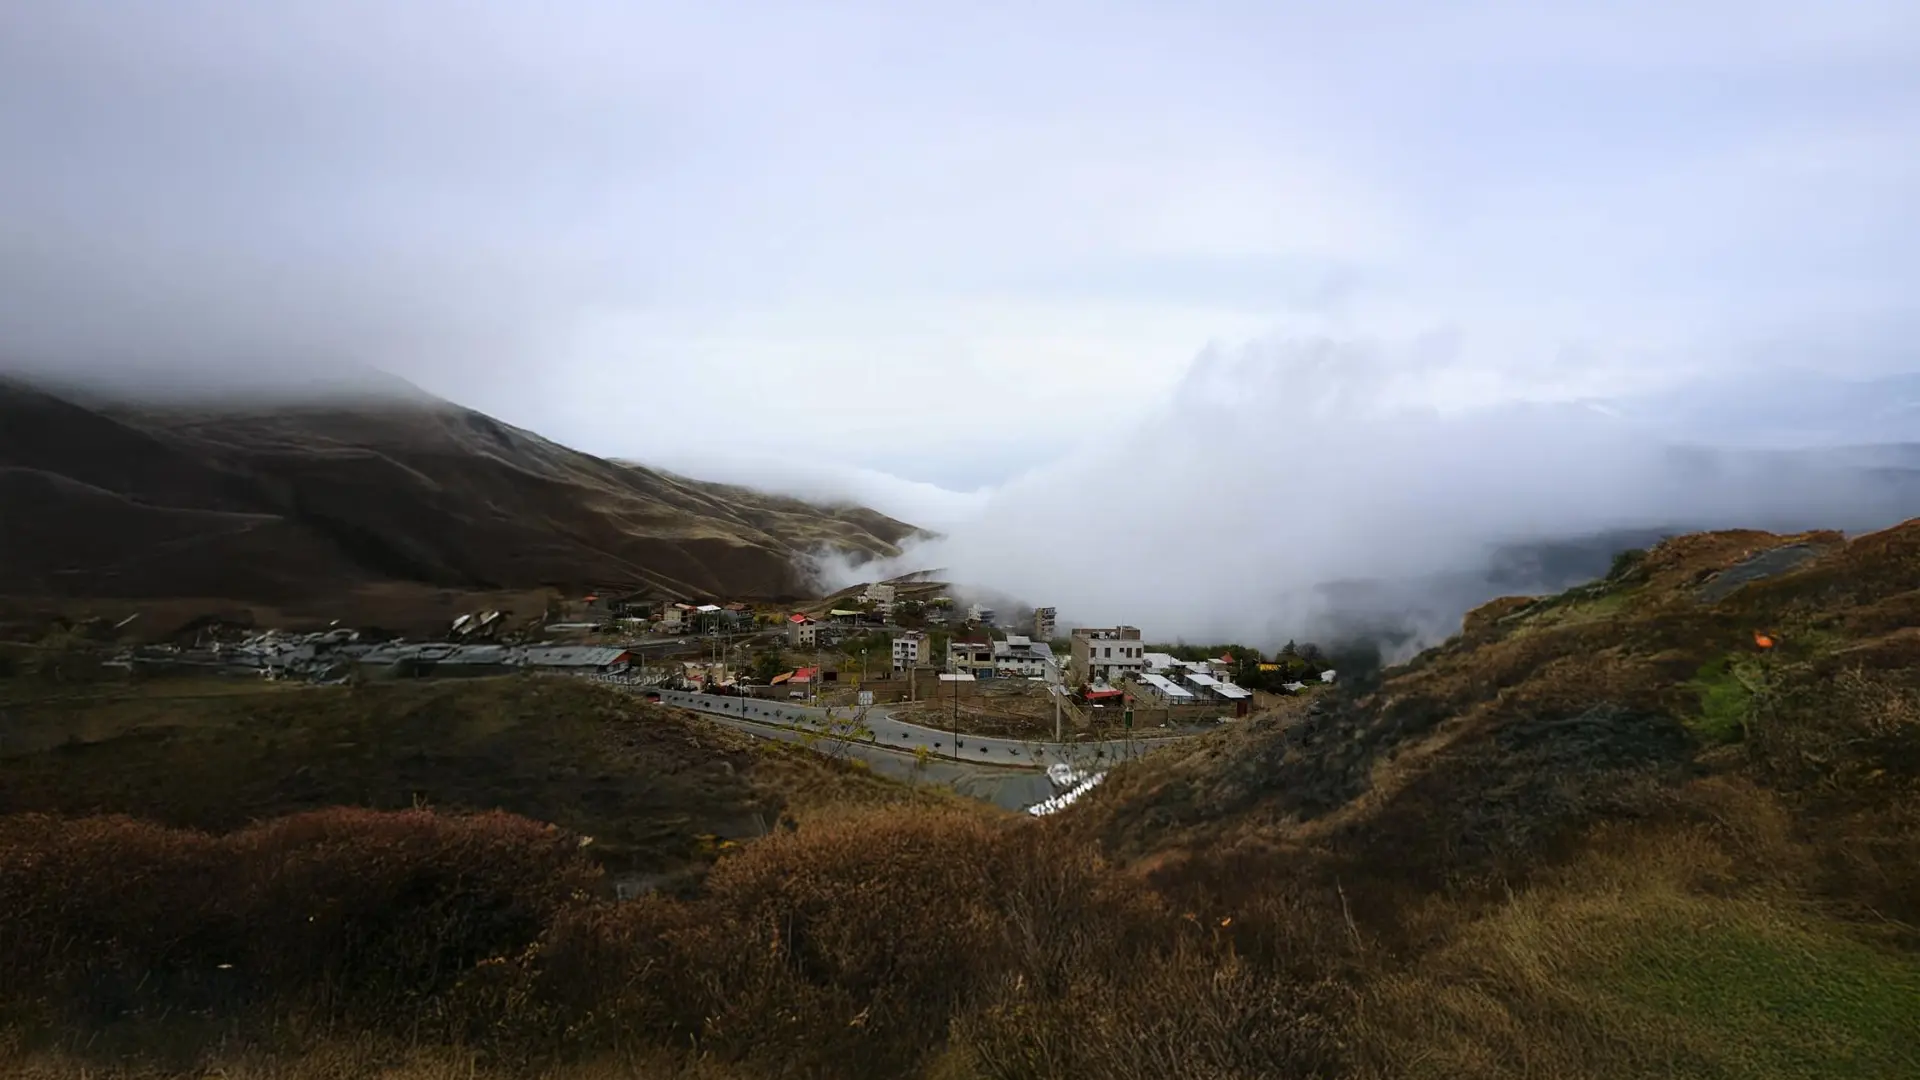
(1772, 999)
(1725, 687)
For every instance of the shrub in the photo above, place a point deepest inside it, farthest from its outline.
(354, 912)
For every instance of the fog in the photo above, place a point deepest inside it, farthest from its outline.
(1310, 489)
(1472, 275)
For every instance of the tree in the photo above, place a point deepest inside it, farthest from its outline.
(834, 735)
(766, 666)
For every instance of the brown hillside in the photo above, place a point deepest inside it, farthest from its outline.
(282, 505)
(1642, 697)
(1601, 834)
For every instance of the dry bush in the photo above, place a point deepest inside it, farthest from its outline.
(880, 946)
(354, 912)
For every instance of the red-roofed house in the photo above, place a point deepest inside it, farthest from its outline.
(802, 631)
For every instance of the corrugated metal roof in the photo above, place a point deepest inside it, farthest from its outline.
(1166, 686)
(575, 656)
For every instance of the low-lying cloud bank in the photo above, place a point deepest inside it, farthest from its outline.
(1306, 489)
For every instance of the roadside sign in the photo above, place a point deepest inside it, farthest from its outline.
(866, 697)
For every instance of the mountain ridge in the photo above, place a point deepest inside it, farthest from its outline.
(252, 502)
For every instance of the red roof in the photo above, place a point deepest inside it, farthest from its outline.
(1102, 695)
(805, 674)
(799, 617)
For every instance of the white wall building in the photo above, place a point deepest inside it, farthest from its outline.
(909, 649)
(1022, 657)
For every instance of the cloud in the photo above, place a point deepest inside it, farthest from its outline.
(914, 255)
(1304, 488)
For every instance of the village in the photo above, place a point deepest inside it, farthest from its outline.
(908, 645)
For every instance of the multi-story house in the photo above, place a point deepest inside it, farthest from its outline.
(1107, 655)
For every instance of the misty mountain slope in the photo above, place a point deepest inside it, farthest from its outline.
(246, 502)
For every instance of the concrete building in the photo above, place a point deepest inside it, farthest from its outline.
(909, 647)
(970, 658)
(803, 631)
(1044, 623)
(676, 618)
(881, 597)
(1108, 654)
(1022, 657)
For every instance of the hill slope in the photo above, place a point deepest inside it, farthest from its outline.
(285, 504)
(1667, 823)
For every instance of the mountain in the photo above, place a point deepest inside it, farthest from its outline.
(247, 502)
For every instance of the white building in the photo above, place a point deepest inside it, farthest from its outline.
(1108, 654)
(1160, 663)
(1022, 657)
(882, 596)
(909, 648)
(803, 631)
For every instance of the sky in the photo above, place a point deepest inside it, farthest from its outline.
(941, 256)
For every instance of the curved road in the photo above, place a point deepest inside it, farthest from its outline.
(901, 735)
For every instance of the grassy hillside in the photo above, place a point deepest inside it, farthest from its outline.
(647, 784)
(1602, 834)
(1606, 832)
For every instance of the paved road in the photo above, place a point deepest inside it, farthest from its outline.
(901, 735)
(1010, 789)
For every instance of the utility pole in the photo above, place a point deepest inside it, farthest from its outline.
(956, 716)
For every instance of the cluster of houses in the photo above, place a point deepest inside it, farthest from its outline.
(334, 655)
(667, 617)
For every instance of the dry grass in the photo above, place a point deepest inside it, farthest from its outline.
(1560, 846)
(646, 783)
